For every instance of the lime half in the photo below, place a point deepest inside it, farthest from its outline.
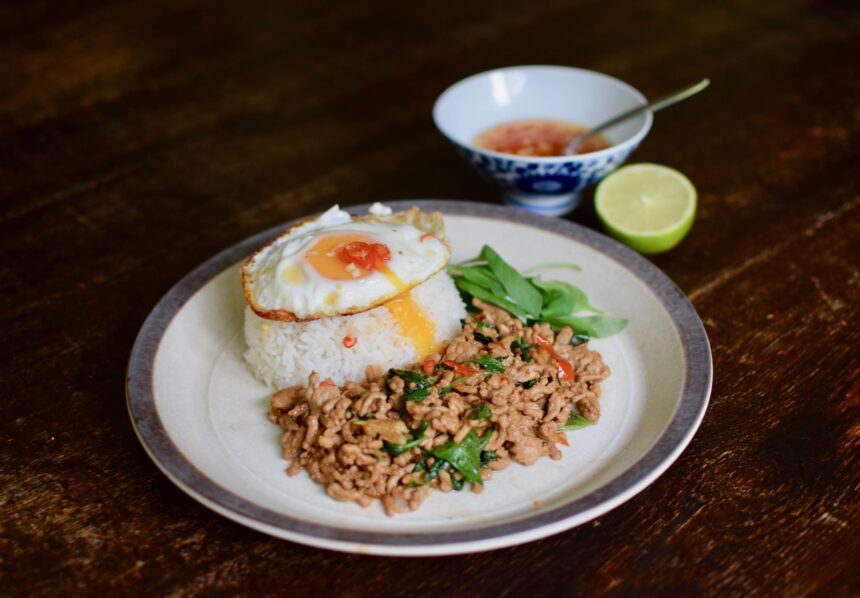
(648, 207)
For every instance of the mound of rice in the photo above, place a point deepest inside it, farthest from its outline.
(283, 354)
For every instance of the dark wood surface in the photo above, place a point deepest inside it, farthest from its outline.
(138, 138)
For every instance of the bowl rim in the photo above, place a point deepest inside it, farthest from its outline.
(630, 142)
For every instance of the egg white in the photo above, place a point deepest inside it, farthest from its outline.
(280, 279)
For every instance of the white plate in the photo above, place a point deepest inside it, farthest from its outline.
(201, 416)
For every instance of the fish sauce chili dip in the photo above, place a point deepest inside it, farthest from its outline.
(540, 138)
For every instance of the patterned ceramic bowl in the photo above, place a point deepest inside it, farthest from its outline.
(547, 185)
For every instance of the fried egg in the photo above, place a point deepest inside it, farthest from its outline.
(338, 265)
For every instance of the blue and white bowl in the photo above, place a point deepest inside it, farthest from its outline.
(547, 185)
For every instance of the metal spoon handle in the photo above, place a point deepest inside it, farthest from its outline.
(655, 105)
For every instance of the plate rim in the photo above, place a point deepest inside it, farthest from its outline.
(688, 414)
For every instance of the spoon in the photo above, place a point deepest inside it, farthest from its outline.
(658, 104)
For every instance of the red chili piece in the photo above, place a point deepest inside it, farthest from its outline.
(349, 342)
(367, 256)
(461, 369)
(429, 366)
(565, 370)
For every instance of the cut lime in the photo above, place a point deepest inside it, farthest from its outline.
(647, 207)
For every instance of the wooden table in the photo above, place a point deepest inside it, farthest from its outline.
(138, 138)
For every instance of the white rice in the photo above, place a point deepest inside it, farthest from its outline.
(283, 354)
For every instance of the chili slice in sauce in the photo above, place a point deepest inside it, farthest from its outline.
(461, 369)
(565, 370)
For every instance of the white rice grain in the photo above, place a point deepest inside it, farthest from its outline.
(282, 354)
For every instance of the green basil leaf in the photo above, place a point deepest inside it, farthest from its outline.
(593, 326)
(488, 456)
(519, 289)
(490, 364)
(579, 339)
(576, 422)
(416, 395)
(407, 376)
(485, 295)
(457, 482)
(553, 266)
(482, 276)
(484, 340)
(523, 347)
(417, 438)
(465, 456)
(482, 413)
(557, 303)
(446, 389)
(574, 296)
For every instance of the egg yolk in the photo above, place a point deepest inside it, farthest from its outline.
(351, 256)
(324, 256)
(413, 324)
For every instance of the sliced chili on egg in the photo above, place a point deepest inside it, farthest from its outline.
(349, 342)
(367, 256)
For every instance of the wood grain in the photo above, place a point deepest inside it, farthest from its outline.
(138, 138)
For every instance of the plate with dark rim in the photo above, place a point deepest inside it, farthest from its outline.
(201, 415)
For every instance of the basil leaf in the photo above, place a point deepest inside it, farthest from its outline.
(593, 326)
(416, 395)
(398, 449)
(488, 456)
(576, 422)
(483, 277)
(481, 338)
(523, 348)
(579, 339)
(482, 413)
(557, 303)
(519, 289)
(465, 457)
(485, 295)
(480, 324)
(490, 364)
(421, 384)
(574, 296)
(446, 389)
(553, 265)
(408, 376)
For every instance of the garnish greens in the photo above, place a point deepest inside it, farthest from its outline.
(490, 364)
(490, 278)
(446, 389)
(465, 456)
(523, 348)
(418, 385)
(395, 449)
(576, 422)
(482, 413)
